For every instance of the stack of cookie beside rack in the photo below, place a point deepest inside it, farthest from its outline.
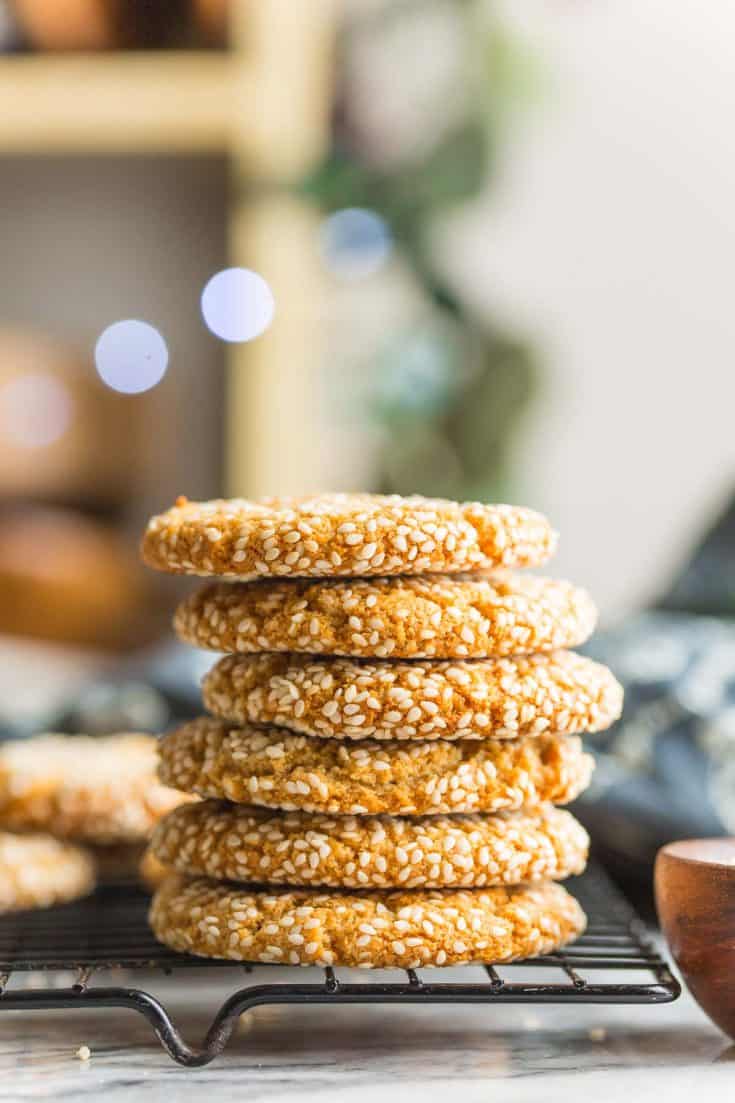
(75, 810)
(393, 728)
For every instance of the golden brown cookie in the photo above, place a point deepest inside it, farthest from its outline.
(37, 871)
(237, 843)
(342, 698)
(443, 617)
(343, 534)
(277, 769)
(97, 790)
(375, 929)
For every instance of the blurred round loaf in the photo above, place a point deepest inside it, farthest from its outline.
(68, 578)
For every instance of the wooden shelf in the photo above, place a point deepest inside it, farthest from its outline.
(152, 102)
(264, 104)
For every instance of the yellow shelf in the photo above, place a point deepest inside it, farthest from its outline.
(157, 102)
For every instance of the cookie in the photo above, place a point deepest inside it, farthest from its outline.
(237, 843)
(277, 769)
(37, 871)
(373, 930)
(341, 698)
(447, 617)
(343, 534)
(97, 790)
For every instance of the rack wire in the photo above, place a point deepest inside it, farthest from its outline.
(109, 930)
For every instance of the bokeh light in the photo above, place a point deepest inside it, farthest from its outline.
(355, 243)
(416, 375)
(237, 304)
(131, 356)
(35, 410)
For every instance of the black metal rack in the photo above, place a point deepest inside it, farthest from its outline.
(109, 930)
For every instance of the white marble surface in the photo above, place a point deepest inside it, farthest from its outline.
(353, 1053)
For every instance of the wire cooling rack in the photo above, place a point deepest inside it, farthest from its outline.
(109, 930)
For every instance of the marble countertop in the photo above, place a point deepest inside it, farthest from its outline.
(353, 1053)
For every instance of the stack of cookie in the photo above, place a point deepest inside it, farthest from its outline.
(75, 809)
(394, 724)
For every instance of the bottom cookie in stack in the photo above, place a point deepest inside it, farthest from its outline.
(375, 929)
(388, 891)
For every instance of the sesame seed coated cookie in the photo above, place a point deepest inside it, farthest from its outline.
(375, 929)
(275, 768)
(443, 617)
(98, 790)
(37, 871)
(343, 534)
(342, 698)
(236, 843)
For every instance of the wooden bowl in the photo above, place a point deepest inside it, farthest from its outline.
(694, 883)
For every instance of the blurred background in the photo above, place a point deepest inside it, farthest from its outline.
(485, 252)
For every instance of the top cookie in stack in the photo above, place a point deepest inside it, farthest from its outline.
(353, 535)
(385, 663)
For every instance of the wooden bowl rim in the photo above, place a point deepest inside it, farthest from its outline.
(673, 850)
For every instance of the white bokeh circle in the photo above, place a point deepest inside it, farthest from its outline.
(237, 305)
(131, 356)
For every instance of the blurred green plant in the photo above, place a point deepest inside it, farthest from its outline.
(450, 391)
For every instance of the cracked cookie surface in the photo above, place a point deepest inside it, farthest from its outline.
(442, 617)
(341, 698)
(343, 534)
(236, 843)
(278, 769)
(373, 929)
